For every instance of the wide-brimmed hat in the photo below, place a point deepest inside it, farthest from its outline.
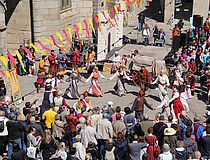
(169, 132)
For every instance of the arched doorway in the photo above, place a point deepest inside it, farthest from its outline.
(109, 42)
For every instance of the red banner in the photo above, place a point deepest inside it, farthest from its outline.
(29, 52)
(45, 48)
(113, 14)
(77, 33)
(86, 28)
(67, 38)
(53, 39)
(12, 59)
(2, 73)
(96, 20)
(107, 19)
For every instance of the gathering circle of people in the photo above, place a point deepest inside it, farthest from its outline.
(57, 131)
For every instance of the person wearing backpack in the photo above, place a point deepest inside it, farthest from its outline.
(189, 144)
(3, 132)
(158, 130)
(198, 131)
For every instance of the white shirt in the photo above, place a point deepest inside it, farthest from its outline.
(165, 156)
(116, 59)
(165, 102)
(5, 132)
(146, 32)
(118, 74)
(175, 96)
(52, 83)
(58, 101)
(162, 79)
(100, 75)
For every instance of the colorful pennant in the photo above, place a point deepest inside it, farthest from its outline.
(37, 49)
(80, 29)
(60, 38)
(125, 9)
(69, 28)
(77, 33)
(107, 19)
(96, 20)
(113, 14)
(86, 28)
(12, 59)
(129, 8)
(67, 38)
(20, 59)
(2, 73)
(116, 11)
(29, 52)
(91, 24)
(99, 19)
(53, 39)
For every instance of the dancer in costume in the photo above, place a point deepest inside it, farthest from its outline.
(95, 89)
(163, 82)
(72, 91)
(144, 78)
(175, 100)
(89, 57)
(120, 86)
(62, 58)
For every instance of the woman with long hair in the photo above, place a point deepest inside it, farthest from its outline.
(151, 140)
(47, 144)
(95, 89)
(121, 147)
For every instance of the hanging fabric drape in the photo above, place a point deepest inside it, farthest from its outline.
(80, 30)
(37, 49)
(86, 28)
(96, 20)
(67, 38)
(12, 59)
(77, 33)
(107, 19)
(91, 24)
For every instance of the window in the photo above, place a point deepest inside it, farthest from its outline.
(65, 4)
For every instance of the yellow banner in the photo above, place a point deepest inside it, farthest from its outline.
(125, 9)
(5, 62)
(69, 28)
(49, 41)
(99, 19)
(20, 59)
(116, 11)
(37, 49)
(109, 16)
(60, 38)
(80, 30)
(91, 24)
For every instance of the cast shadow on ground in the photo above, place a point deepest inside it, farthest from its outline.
(154, 97)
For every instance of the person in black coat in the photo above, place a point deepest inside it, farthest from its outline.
(67, 137)
(18, 154)
(47, 144)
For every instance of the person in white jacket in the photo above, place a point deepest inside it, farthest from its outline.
(81, 151)
(146, 34)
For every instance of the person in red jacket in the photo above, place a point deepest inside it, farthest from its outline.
(72, 120)
(76, 54)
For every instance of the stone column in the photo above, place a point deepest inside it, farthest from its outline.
(168, 10)
(3, 44)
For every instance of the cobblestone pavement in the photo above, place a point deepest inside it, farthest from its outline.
(196, 104)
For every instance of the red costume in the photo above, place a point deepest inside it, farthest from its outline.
(76, 57)
(52, 67)
(177, 105)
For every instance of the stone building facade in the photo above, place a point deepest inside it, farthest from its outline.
(31, 21)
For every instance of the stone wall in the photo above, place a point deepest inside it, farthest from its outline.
(201, 7)
(3, 42)
(19, 27)
(79, 11)
(46, 20)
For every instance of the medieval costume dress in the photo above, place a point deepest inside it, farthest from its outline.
(95, 89)
(162, 82)
(72, 91)
(52, 67)
(177, 104)
(120, 86)
(165, 107)
(62, 64)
